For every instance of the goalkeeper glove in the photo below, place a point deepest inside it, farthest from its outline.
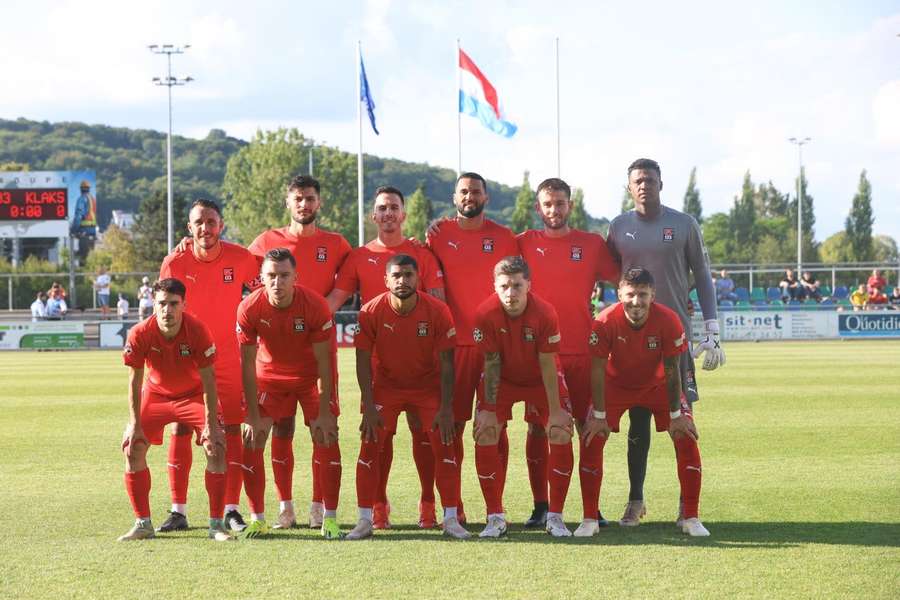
(712, 345)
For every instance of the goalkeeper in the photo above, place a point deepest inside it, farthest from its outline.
(668, 243)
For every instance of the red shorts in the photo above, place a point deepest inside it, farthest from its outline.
(577, 370)
(280, 402)
(158, 411)
(655, 399)
(537, 410)
(391, 402)
(468, 366)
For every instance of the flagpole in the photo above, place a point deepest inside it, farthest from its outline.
(558, 145)
(359, 154)
(458, 113)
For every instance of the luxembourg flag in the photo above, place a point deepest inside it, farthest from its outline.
(478, 98)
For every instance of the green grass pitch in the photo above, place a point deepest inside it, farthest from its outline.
(801, 491)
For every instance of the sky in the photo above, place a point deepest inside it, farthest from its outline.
(713, 85)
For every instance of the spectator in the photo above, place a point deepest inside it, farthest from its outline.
(56, 305)
(39, 307)
(809, 286)
(894, 298)
(101, 284)
(877, 300)
(725, 287)
(876, 281)
(860, 298)
(57, 290)
(790, 287)
(145, 299)
(122, 307)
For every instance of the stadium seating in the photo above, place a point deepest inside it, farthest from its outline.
(773, 293)
(742, 305)
(742, 294)
(758, 295)
(794, 304)
(827, 302)
(841, 292)
(726, 304)
(825, 291)
(693, 296)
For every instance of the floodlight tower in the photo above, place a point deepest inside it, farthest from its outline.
(799, 142)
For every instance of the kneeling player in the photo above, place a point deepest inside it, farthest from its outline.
(407, 338)
(180, 387)
(293, 327)
(635, 347)
(519, 334)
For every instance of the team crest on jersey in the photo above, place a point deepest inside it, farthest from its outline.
(477, 335)
(299, 324)
(422, 329)
(528, 334)
(128, 349)
(594, 339)
(228, 274)
(668, 234)
(652, 342)
(321, 254)
(487, 244)
(185, 350)
(577, 253)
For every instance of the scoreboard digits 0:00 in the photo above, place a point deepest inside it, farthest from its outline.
(40, 204)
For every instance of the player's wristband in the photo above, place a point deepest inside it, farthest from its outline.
(711, 326)
(675, 414)
(599, 414)
(488, 407)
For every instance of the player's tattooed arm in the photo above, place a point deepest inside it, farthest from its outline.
(486, 429)
(491, 377)
(673, 381)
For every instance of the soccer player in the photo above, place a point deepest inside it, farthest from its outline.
(467, 248)
(519, 335)
(293, 329)
(363, 270)
(635, 347)
(216, 274)
(668, 243)
(407, 339)
(565, 264)
(180, 387)
(319, 255)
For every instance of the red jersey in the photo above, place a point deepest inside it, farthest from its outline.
(467, 259)
(520, 339)
(563, 272)
(365, 267)
(636, 355)
(406, 346)
(319, 256)
(214, 290)
(285, 335)
(173, 364)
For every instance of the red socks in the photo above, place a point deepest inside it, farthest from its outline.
(590, 472)
(138, 487)
(254, 479)
(560, 474)
(181, 455)
(446, 470)
(385, 459)
(329, 458)
(459, 451)
(234, 475)
(367, 476)
(537, 452)
(424, 457)
(283, 466)
(687, 455)
(487, 464)
(503, 449)
(215, 490)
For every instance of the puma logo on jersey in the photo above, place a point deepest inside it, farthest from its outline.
(622, 339)
(491, 476)
(367, 465)
(374, 261)
(242, 465)
(155, 349)
(630, 234)
(450, 461)
(389, 326)
(455, 245)
(265, 322)
(191, 277)
(563, 473)
(502, 330)
(543, 251)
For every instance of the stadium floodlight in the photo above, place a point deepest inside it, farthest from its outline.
(169, 81)
(800, 142)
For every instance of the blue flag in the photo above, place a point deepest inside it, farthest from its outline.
(365, 94)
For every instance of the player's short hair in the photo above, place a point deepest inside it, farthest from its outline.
(636, 276)
(170, 285)
(511, 265)
(645, 164)
(204, 203)
(279, 254)
(472, 175)
(401, 260)
(389, 189)
(554, 184)
(304, 181)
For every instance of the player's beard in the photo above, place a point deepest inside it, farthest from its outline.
(472, 212)
(549, 223)
(403, 293)
(310, 218)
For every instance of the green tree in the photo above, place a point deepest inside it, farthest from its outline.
(860, 220)
(692, 204)
(810, 248)
(742, 220)
(836, 249)
(718, 238)
(627, 200)
(336, 171)
(12, 165)
(149, 231)
(769, 202)
(884, 249)
(418, 214)
(578, 218)
(521, 219)
(116, 252)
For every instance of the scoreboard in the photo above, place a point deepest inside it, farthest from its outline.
(38, 204)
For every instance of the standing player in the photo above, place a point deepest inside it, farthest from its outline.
(668, 243)
(319, 255)
(180, 386)
(293, 328)
(565, 265)
(407, 339)
(636, 346)
(364, 271)
(467, 249)
(216, 275)
(519, 335)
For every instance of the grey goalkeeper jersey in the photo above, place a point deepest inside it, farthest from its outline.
(670, 247)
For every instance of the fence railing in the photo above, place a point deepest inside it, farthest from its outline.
(22, 288)
(853, 273)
